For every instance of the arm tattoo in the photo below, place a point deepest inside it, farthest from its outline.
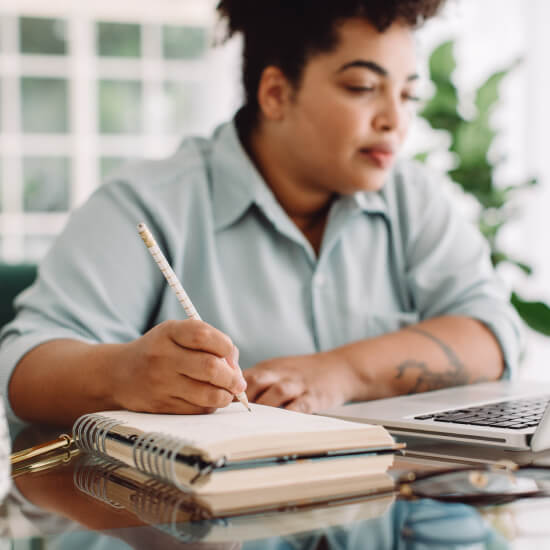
(429, 380)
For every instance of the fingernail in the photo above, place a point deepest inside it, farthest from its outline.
(236, 354)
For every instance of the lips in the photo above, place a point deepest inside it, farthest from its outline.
(380, 155)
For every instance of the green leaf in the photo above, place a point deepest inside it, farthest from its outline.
(490, 231)
(421, 157)
(535, 314)
(501, 257)
(492, 199)
(441, 111)
(527, 269)
(476, 180)
(487, 93)
(472, 142)
(442, 62)
(525, 185)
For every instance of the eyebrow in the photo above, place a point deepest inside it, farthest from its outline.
(371, 66)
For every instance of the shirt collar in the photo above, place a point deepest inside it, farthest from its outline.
(237, 184)
(370, 202)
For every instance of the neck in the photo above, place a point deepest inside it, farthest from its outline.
(306, 205)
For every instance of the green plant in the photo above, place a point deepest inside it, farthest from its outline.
(471, 139)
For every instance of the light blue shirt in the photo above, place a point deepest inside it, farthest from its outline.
(388, 259)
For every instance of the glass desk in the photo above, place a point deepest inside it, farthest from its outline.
(54, 509)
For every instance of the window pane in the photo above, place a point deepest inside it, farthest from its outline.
(118, 39)
(183, 105)
(39, 35)
(108, 164)
(184, 42)
(46, 184)
(119, 107)
(44, 105)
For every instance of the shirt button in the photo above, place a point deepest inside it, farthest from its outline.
(319, 280)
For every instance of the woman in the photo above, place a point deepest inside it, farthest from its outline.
(339, 273)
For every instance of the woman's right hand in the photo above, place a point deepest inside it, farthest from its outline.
(179, 367)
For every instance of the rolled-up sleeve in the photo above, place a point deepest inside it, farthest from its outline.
(96, 284)
(448, 267)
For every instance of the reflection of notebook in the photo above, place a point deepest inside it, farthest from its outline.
(190, 519)
(504, 414)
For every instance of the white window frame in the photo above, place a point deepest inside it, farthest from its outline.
(83, 69)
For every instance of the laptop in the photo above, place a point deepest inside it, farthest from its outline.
(508, 414)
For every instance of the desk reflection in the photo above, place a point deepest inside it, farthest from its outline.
(49, 506)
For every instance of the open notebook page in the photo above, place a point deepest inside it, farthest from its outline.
(234, 422)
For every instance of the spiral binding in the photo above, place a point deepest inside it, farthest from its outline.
(90, 432)
(156, 454)
(153, 453)
(91, 478)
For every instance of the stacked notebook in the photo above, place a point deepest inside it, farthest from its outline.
(234, 462)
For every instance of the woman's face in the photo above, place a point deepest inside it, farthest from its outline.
(346, 121)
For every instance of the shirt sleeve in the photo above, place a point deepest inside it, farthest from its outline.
(448, 267)
(96, 284)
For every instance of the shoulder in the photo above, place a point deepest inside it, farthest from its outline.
(412, 185)
(173, 188)
(188, 165)
(418, 197)
(413, 191)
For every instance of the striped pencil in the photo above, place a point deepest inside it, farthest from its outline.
(176, 286)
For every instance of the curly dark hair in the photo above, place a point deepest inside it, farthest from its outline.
(285, 33)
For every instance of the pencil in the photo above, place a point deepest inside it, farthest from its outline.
(176, 286)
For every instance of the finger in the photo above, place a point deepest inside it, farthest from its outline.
(200, 336)
(169, 404)
(304, 404)
(208, 368)
(258, 381)
(201, 394)
(177, 405)
(281, 393)
(233, 359)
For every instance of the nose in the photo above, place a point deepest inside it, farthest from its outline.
(391, 114)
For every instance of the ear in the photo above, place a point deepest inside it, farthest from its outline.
(274, 93)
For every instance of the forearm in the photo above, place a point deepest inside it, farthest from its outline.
(177, 367)
(60, 380)
(438, 353)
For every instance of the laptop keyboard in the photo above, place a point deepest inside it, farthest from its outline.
(516, 414)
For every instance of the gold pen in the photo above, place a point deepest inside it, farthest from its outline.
(64, 441)
(50, 461)
(176, 286)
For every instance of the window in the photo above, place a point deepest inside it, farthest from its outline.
(83, 91)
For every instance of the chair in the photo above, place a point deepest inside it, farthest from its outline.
(13, 279)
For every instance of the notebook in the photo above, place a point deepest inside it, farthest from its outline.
(241, 458)
(191, 519)
(505, 414)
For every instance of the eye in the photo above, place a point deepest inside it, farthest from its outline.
(407, 96)
(360, 89)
